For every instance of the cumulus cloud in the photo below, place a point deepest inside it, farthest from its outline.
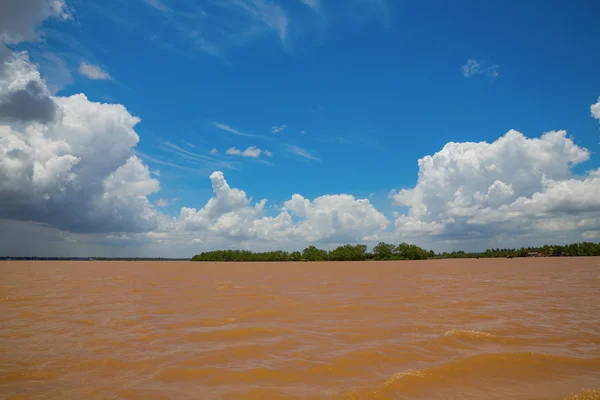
(252, 151)
(339, 217)
(474, 67)
(93, 72)
(68, 162)
(508, 187)
(226, 200)
(277, 129)
(230, 214)
(19, 18)
(595, 109)
(65, 162)
(24, 95)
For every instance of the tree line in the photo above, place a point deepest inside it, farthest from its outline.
(386, 251)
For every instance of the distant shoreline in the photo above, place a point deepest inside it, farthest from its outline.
(381, 252)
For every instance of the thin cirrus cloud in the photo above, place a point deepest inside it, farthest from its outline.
(93, 72)
(227, 128)
(274, 19)
(299, 151)
(252, 151)
(255, 18)
(195, 158)
(474, 67)
(157, 4)
(314, 4)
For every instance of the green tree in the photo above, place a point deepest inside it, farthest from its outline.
(311, 253)
(383, 251)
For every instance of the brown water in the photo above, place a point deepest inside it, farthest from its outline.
(448, 329)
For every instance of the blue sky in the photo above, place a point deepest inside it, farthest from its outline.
(356, 91)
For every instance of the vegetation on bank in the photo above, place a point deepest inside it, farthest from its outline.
(385, 251)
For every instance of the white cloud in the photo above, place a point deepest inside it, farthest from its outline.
(277, 129)
(68, 162)
(301, 152)
(251, 151)
(268, 153)
(161, 203)
(504, 188)
(93, 72)
(314, 4)
(339, 217)
(595, 109)
(158, 4)
(19, 18)
(226, 200)
(227, 128)
(24, 95)
(230, 215)
(156, 172)
(270, 14)
(474, 67)
(213, 152)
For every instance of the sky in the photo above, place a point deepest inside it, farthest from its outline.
(171, 127)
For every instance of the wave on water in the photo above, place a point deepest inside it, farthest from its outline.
(585, 394)
(474, 336)
(17, 376)
(488, 367)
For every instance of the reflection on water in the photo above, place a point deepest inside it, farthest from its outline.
(447, 329)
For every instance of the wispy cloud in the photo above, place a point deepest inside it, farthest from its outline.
(474, 67)
(157, 4)
(201, 158)
(314, 4)
(301, 152)
(203, 169)
(227, 128)
(162, 162)
(213, 152)
(270, 14)
(183, 151)
(93, 71)
(201, 27)
(216, 26)
(251, 151)
(277, 129)
(55, 70)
